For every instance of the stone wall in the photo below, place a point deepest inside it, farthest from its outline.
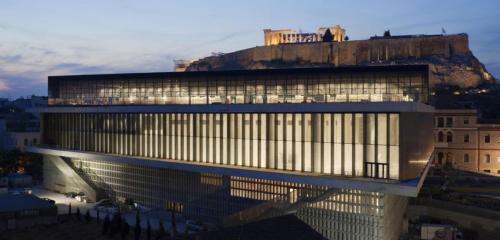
(449, 55)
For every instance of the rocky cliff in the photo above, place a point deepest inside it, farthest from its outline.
(450, 58)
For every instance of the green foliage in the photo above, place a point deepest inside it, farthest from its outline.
(17, 161)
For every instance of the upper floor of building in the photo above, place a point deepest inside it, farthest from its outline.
(463, 128)
(393, 83)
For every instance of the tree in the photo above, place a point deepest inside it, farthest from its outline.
(105, 225)
(78, 214)
(161, 230)
(137, 231)
(186, 233)
(87, 216)
(115, 225)
(328, 37)
(174, 227)
(125, 229)
(346, 38)
(148, 231)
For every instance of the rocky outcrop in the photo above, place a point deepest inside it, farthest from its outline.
(450, 58)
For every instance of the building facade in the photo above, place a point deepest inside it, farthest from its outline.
(466, 143)
(228, 147)
(276, 37)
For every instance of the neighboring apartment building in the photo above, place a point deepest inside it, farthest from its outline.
(341, 148)
(276, 37)
(10, 140)
(465, 143)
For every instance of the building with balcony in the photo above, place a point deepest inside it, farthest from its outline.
(466, 142)
(341, 148)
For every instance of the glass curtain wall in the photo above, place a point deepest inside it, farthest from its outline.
(242, 89)
(350, 144)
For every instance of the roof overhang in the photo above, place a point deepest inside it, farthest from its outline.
(409, 188)
(349, 107)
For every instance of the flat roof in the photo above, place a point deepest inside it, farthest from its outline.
(341, 69)
(409, 188)
(14, 203)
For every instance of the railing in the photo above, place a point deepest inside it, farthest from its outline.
(236, 99)
(376, 170)
(281, 205)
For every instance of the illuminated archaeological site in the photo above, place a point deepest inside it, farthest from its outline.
(276, 37)
(341, 148)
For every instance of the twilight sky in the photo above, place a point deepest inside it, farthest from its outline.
(54, 37)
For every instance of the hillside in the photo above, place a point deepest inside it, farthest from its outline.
(450, 58)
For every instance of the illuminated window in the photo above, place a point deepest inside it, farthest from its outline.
(487, 158)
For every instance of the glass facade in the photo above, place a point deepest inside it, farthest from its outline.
(337, 214)
(329, 141)
(361, 84)
(349, 144)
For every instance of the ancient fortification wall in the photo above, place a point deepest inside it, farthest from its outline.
(449, 55)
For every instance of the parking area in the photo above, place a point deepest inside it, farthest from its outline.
(153, 215)
(62, 202)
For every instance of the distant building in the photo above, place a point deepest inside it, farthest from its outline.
(22, 211)
(30, 102)
(466, 143)
(276, 37)
(10, 140)
(17, 180)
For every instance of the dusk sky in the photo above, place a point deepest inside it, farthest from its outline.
(55, 37)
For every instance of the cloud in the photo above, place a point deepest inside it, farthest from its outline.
(4, 86)
(11, 58)
(77, 68)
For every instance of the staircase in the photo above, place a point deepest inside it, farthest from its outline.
(282, 205)
(96, 183)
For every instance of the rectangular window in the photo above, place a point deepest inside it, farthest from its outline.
(487, 138)
(466, 121)
(440, 122)
(449, 122)
(466, 138)
(466, 158)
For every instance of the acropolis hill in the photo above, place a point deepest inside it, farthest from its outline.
(450, 58)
